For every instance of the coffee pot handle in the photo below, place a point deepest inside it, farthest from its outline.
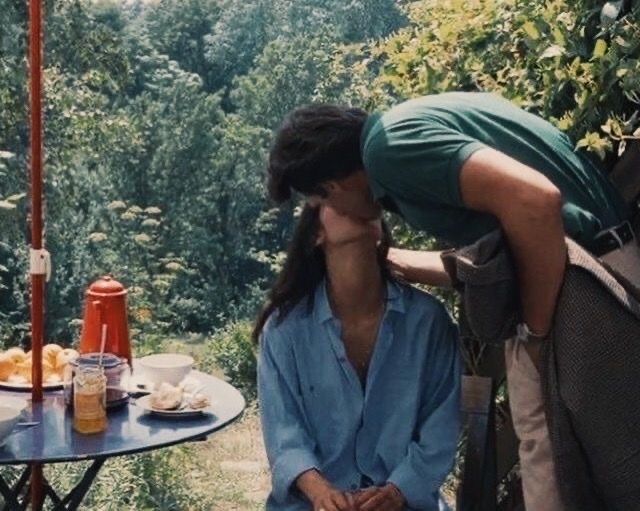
(98, 305)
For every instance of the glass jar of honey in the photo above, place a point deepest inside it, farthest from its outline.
(89, 400)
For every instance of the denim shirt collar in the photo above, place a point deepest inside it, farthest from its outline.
(322, 309)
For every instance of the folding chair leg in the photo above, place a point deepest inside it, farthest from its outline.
(479, 482)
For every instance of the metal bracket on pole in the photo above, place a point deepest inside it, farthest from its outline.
(40, 263)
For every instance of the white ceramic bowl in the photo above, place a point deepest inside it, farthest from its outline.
(14, 402)
(165, 367)
(8, 419)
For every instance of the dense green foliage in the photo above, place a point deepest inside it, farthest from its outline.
(159, 115)
(158, 119)
(232, 350)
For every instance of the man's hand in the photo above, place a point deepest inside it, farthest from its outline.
(380, 498)
(419, 266)
(322, 495)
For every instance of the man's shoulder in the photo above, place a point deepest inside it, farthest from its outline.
(434, 115)
(437, 105)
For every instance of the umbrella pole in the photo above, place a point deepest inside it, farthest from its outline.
(37, 278)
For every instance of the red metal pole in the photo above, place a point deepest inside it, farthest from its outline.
(37, 280)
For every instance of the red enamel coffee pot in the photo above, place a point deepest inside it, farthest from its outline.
(106, 304)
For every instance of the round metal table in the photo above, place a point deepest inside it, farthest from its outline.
(130, 430)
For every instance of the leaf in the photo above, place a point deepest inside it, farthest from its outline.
(531, 30)
(621, 147)
(552, 51)
(6, 205)
(4, 268)
(559, 37)
(6, 155)
(599, 49)
(16, 197)
(621, 41)
(610, 12)
(595, 143)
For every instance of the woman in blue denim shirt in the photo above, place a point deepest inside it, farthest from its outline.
(358, 376)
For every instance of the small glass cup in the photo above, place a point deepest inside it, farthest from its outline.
(89, 400)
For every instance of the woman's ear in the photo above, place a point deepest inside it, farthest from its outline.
(320, 237)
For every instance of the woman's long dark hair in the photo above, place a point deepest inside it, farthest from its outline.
(304, 268)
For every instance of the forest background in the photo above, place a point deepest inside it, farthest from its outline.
(158, 119)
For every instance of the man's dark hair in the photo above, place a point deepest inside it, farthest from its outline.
(314, 144)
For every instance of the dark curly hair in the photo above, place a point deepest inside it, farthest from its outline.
(314, 144)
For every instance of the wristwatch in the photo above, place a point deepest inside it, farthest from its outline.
(524, 334)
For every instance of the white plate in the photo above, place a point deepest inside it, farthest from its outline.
(27, 386)
(144, 402)
(18, 403)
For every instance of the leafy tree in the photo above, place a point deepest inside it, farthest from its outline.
(284, 76)
(179, 30)
(239, 35)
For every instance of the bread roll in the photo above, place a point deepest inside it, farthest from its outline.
(24, 369)
(48, 370)
(52, 377)
(64, 357)
(7, 366)
(50, 353)
(16, 378)
(16, 354)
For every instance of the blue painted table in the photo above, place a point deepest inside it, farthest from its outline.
(130, 430)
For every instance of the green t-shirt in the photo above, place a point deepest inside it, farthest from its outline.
(413, 154)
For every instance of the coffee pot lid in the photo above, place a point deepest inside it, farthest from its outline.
(107, 285)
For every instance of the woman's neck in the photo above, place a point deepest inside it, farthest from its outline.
(355, 284)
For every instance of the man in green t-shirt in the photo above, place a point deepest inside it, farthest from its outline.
(456, 166)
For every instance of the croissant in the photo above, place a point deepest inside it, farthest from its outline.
(167, 397)
(7, 366)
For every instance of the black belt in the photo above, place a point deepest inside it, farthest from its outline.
(612, 239)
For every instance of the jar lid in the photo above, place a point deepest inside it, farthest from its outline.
(109, 360)
(107, 285)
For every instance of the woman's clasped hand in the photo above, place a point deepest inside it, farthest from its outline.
(374, 498)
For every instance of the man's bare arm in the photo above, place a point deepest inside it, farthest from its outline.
(419, 266)
(528, 207)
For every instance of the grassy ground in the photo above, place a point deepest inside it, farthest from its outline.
(236, 466)
(232, 464)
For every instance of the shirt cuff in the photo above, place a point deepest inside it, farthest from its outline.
(413, 490)
(287, 469)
